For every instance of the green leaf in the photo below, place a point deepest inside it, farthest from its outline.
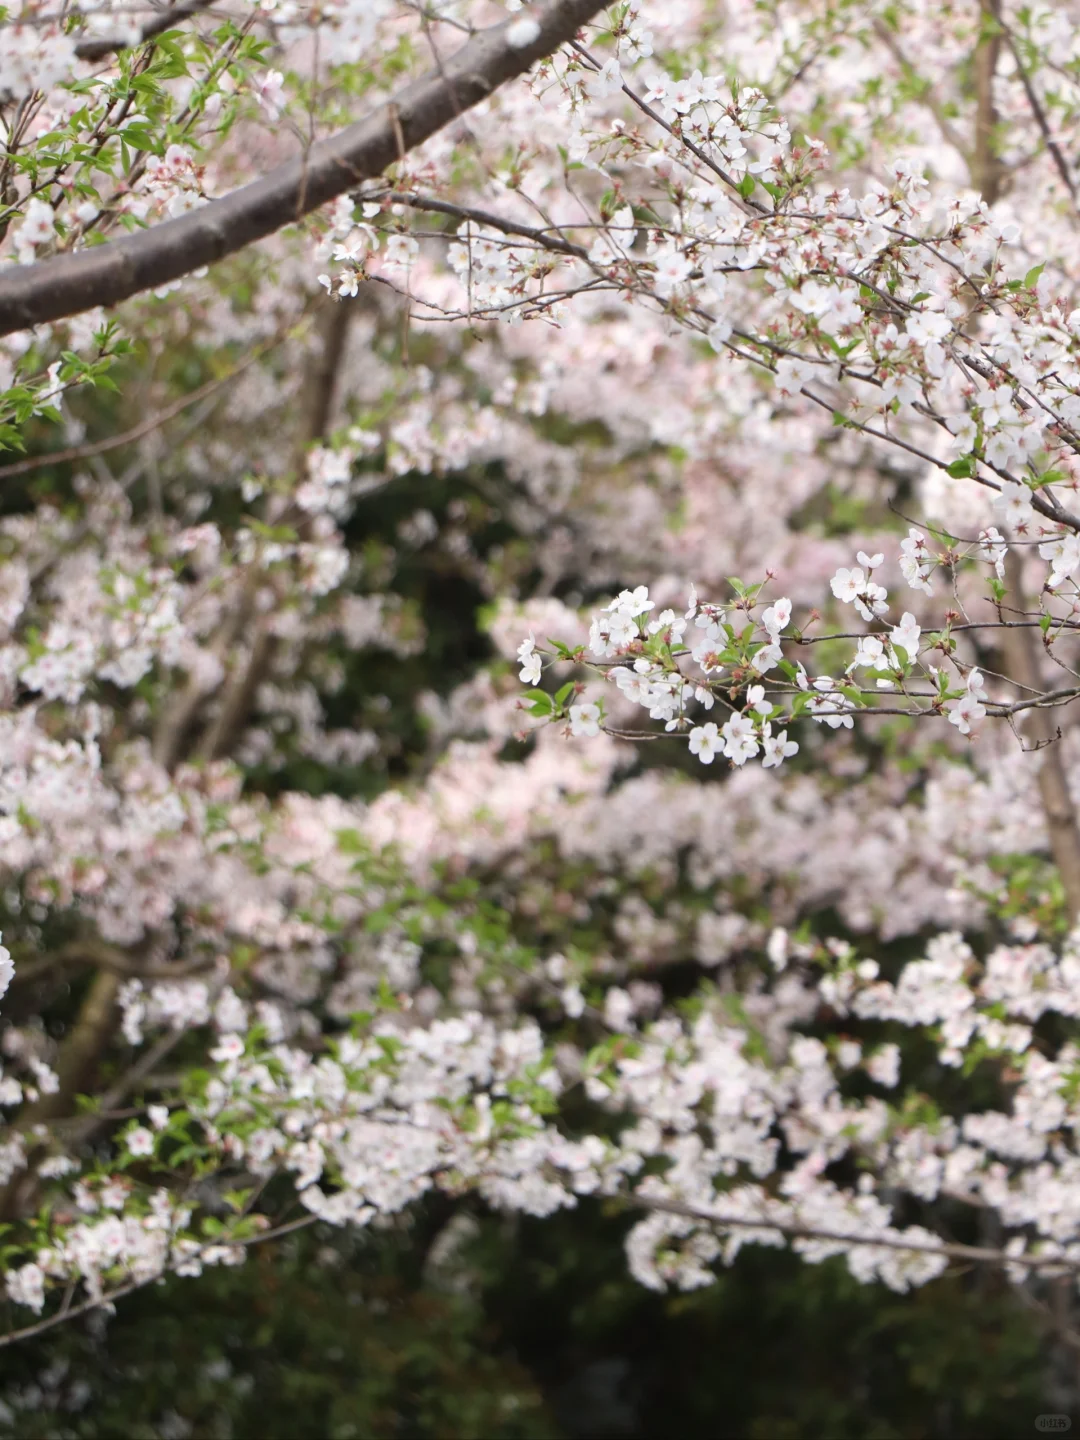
(1050, 477)
(542, 702)
(1031, 279)
(963, 468)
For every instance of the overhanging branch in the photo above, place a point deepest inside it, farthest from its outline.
(169, 18)
(106, 274)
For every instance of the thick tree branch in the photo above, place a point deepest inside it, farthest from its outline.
(75, 1065)
(167, 20)
(987, 172)
(106, 274)
(91, 951)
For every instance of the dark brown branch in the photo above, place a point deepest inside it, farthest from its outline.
(167, 20)
(106, 274)
(1060, 162)
(987, 172)
(982, 1255)
(78, 1058)
(106, 957)
(543, 238)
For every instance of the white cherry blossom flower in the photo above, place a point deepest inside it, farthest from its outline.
(140, 1141)
(632, 603)
(585, 719)
(755, 699)
(668, 620)
(26, 1286)
(1014, 502)
(605, 81)
(871, 654)
(915, 561)
(905, 636)
(777, 617)
(883, 1066)
(1064, 555)
(270, 93)
(993, 549)
(964, 432)
(671, 267)
(529, 661)
(777, 747)
(522, 32)
(767, 658)
(927, 325)
(400, 252)
(573, 1001)
(740, 741)
(965, 712)
(829, 707)
(872, 601)
(705, 742)
(847, 584)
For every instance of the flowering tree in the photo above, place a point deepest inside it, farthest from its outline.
(747, 343)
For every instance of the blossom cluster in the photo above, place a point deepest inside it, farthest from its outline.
(740, 335)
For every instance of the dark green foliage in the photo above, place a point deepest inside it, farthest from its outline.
(535, 1332)
(309, 1342)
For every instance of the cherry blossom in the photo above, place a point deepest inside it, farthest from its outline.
(705, 742)
(768, 356)
(905, 636)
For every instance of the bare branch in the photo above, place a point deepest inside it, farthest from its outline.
(544, 238)
(72, 1312)
(980, 1254)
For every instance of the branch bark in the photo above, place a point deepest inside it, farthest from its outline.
(75, 1065)
(1042, 729)
(106, 274)
(980, 1254)
(987, 173)
(167, 20)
